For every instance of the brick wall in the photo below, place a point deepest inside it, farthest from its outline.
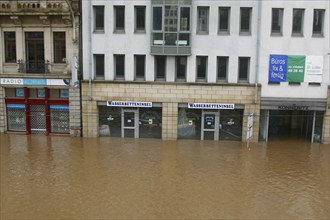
(169, 94)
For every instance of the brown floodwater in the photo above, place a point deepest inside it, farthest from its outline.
(111, 178)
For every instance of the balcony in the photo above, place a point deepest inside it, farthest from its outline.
(37, 67)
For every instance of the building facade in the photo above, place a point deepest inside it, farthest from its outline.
(196, 69)
(38, 67)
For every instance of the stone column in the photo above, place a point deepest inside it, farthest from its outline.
(2, 110)
(75, 112)
(90, 114)
(169, 121)
(326, 122)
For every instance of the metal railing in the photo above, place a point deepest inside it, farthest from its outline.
(38, 66)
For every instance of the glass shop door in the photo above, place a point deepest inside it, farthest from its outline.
(130, 123)
(210, 125)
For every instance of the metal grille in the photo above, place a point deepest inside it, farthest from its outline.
(59, 119)
(16, 119)
(38, 119)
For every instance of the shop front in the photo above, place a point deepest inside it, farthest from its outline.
(210, 121)
(292, 119)
(130, 119)
(34, 106)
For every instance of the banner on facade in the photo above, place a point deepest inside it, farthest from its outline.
(32, 82)
(295, 68)
(210, 106)
(129, 104)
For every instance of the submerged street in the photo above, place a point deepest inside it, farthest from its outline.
(57, 177)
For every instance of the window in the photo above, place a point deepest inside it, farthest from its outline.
(243, 69)
(119, 66)
(297, 21)
(222, 68)
(140, 18)
(157, 14)
(10, 47)
(99, 66)
(160, 67)
(119, 18)
(139, 66)
(201, 67)
(318, 20)
(181, 67)
(203, 20)
(99, 18)
(59, 47)
(245, 22)
(224, 19)
(184, 19)
(277, 20)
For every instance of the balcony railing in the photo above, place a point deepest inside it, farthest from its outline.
(38, 66)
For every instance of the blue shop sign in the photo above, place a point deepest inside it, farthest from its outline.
(35, 82)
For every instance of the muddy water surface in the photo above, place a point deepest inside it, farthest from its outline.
(112, 178)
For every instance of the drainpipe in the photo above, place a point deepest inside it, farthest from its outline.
(90, 8)
(74, 38)
(258, 51)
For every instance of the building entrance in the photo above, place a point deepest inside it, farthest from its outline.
(210, 125)
(291, 124)
(130, 123)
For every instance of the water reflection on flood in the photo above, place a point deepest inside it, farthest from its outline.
(112, 178)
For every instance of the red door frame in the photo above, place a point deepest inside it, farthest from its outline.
(40, 101)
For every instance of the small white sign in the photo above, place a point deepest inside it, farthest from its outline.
(211, 106)
(129, 104)
(11, 81)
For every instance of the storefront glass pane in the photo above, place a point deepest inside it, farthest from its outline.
(189, 123)
(263, 125)
(150, 122)
(16, 117)
(109, 121)
(231, 123)
(319, 116)
(59, 119)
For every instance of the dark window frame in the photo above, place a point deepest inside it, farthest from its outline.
(139, 26)
(119, 66)
(224, 30)
(99, 61)
(201, 68)
(98, 18)
(243, 71)
(181, 69)
(157, 67)
(207, 17)
(245, 21)
(219, 68)
(59, 47)
(119, 22)
(139, 62)
(320, 26)
(10, 47)
(277, 27)
(299, 29)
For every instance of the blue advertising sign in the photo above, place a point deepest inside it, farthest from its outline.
(34, 82)
(277, 68)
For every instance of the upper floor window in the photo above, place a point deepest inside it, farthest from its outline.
(245, 20)
(140, 18)
(59, 47)
(222, 67)
(171, 25)
(201, 67)
(10, 47)
(139, 67)
(243, 69)
(98, 18)
(224, 20)
(297, 21)
(119, 61)
(119, 18)
(99, 66)
(181, 68)
(277, 20)
(160, 68)
(203, 20)
(318, 20)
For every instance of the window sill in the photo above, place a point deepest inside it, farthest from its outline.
(314, 84)
(224, 33)
(297, 35)
(318, 35)
(276, 35)
(140, 32)
(245, 33)
(119, 31)
(294, 83)
(202, 33)
(98, 32)
(274, 83)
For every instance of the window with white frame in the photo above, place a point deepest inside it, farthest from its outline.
(139, 63)
(201, 68)
(224, 20)
(222, 68)
(297, 21)
(98, 18)
(243, 69)
(99, 66)
(119, 13)
(119, 61)
(202, 20)
(245, 20)
(181, 68)
(318, 20)
(140, 18)
(277, 21)
(160, 68)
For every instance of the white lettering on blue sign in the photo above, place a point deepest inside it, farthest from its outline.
(211, 106)
(129, 104)
(35, 82)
